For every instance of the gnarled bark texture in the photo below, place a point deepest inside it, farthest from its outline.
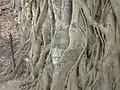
(71, 44)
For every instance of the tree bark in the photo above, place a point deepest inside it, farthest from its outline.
(74, 44)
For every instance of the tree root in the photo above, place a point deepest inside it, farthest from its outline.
(6, 71)
(13, 73)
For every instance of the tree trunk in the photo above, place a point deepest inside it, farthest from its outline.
(73, 44)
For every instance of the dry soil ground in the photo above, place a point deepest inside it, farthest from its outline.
(6, 22)
(7, 26)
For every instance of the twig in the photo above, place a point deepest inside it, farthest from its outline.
(12, 52)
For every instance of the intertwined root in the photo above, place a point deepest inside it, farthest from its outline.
(81, 46)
